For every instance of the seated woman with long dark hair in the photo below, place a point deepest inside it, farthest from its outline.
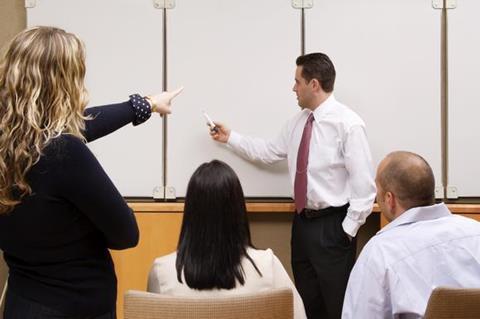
(215, 255)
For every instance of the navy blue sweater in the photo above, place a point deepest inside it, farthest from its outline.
(56, 240)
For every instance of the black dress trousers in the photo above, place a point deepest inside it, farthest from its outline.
(322, 258)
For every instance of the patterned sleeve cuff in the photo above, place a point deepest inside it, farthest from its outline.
(141, 108)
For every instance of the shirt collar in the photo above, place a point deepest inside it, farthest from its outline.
(325, 107)
(418, 214)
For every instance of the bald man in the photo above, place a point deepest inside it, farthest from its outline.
(423, 247)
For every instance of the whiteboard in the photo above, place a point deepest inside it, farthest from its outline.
(124, 56)
(236, 60)
(387, 57)
(464, 97)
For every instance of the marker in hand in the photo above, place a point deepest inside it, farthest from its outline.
(210, 123)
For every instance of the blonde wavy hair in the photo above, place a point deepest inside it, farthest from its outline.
(42, 95)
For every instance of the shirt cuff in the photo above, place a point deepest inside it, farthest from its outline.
(234, 139)
(350, 226)
(141, 108)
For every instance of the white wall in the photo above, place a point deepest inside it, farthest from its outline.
(464, 98)
(236, 60)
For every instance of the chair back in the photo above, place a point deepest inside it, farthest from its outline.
(275, 303)
(458, 303)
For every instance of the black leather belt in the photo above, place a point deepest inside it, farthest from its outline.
(312, 213)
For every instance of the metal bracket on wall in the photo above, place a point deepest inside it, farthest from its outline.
(452, 192)
(302, 4)
(439, 192)
(160, 192)
(164, 4)
(30, 3)
(438, 4)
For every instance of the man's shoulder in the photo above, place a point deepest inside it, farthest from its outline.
(449, 227)
(405, 240)
(347, 116)
(466, 224)
(466, 220)
(384, 246)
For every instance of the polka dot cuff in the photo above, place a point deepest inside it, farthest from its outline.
(141, 107)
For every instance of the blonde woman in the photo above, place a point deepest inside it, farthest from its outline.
(59, 211)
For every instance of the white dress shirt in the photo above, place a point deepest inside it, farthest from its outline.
(424, 248)
(339, 165)
(163, 279)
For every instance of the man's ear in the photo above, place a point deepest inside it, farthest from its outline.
(316, 86)
(390, 200)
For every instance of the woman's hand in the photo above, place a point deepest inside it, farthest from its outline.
(161, 103)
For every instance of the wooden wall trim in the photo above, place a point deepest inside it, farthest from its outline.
(256, 207)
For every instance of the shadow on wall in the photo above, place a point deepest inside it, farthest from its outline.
(12, 19)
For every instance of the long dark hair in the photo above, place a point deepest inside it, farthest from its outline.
(215, 234)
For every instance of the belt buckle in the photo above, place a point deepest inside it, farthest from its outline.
(309, 213)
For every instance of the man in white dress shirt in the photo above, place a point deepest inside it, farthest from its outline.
(423, 247)
(331, 170)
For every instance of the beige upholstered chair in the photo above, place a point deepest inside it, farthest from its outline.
(275, 303)
(453, 303)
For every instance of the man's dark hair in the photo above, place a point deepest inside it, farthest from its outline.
(215, 233)
(318, 66)
(409, 177)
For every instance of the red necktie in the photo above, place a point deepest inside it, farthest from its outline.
(300, 187)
